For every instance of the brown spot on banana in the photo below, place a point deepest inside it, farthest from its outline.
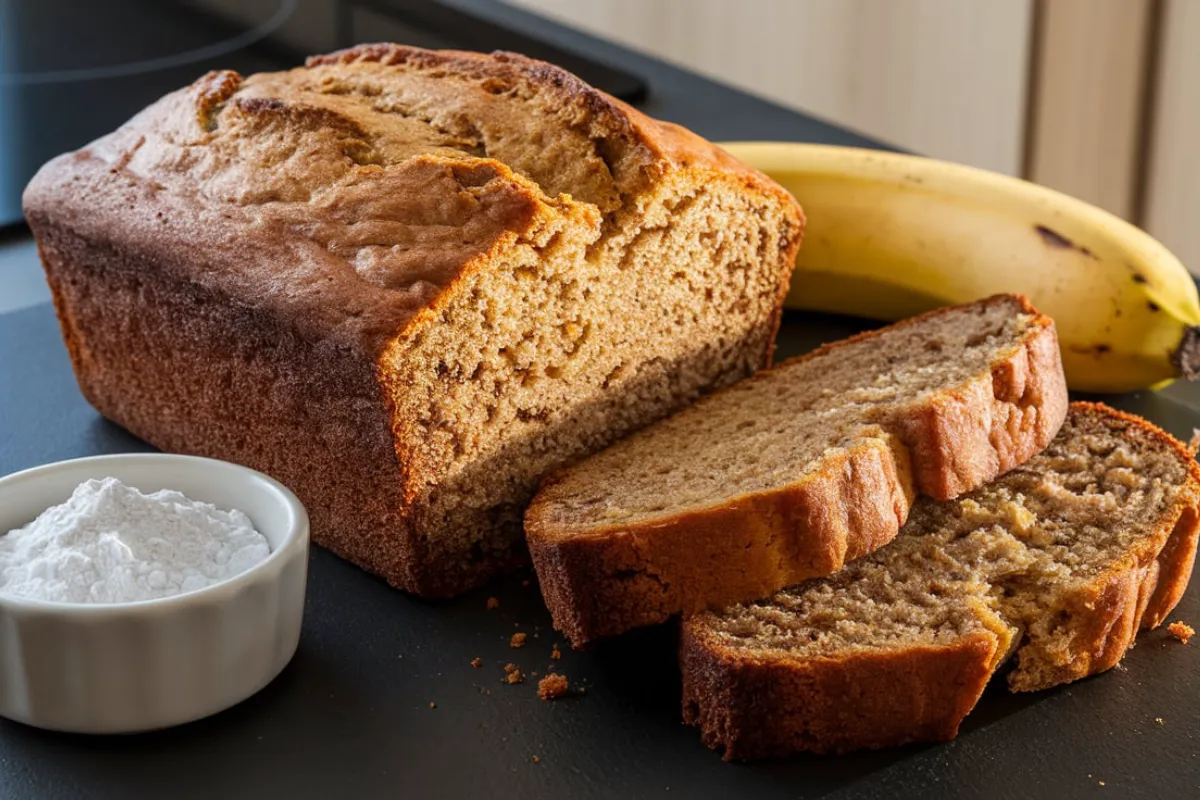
(1090, 349)
(1053, 238)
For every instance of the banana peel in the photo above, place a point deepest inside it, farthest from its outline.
(892, 235)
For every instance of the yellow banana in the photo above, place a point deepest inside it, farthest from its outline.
(893, 235)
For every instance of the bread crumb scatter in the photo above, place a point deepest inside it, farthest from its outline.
(553, 686)
(1158, 720)
(555, 653)
(432, 704)
(525, 582)
(536, 760)
(517, 640)
(476, 662)
(512, 674)
(493, 603)
(1181, 630)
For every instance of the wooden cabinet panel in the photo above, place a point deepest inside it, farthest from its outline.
(1172, 204)
(945, 78)
(1087, 112)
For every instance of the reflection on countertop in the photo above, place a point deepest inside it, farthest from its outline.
(22, 283)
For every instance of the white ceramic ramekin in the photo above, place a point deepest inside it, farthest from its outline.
(139, 666)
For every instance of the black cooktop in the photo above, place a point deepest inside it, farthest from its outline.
(72, 70)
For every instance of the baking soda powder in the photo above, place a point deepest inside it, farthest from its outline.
(110, 543)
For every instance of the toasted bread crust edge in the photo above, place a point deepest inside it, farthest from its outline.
(605, 583)
(763, 707)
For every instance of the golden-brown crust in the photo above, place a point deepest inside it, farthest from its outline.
(754, 705)
(756, 708)
(605, 582)
(667, 145)
(603, 585)
(379, 204)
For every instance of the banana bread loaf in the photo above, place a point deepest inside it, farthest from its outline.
(407, 283)
(796, 471)
(1058, 563)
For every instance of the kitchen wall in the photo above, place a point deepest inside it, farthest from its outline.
(1172, 199)
(1097, 98)
(942, 76)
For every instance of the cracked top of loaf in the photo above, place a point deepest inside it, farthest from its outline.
(348, 194)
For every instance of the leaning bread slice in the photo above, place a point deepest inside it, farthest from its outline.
(1061, 561)
(793, 473)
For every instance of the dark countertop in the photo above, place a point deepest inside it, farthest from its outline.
(350, 717)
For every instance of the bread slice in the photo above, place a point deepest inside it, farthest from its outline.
(407, 283)
(1061, 561)
(793, 473)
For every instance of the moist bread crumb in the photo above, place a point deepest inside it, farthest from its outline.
(512, 674)
(517, 640)
(553, 686)
(476, 662)
(407, 283)
(918, 628)
(1181, 631)
(795, 472)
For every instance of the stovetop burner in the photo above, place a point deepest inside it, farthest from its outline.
(72, 70)
(60, 48)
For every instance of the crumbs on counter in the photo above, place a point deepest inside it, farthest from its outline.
(553, 686)
(555, 653)
(493, 603)
(1158, 721)
(536, 760)
(476, 662)
(512, 674)
(517, 640)
(1181, 630)
(525, 582)
(432, 704)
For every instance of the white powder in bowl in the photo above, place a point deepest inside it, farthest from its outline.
(110, 543)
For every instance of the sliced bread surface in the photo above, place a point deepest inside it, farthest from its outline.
(1057, 564)
(795, 472)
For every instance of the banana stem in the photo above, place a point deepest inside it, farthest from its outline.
(1186, 357)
